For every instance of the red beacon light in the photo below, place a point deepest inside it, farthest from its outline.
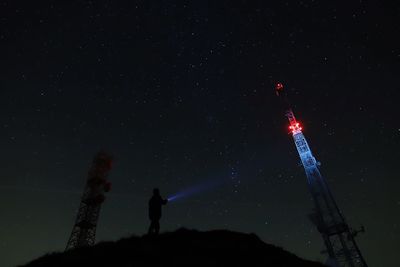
(295, 128)
(278, 88)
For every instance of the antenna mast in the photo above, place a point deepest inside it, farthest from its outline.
(84, 230)
(337, 235)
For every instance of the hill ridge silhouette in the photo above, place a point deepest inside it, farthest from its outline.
(182, 247)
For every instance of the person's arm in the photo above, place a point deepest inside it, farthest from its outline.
(164, 201)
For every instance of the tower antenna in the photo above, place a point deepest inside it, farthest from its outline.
(84, 230)
(337, 235)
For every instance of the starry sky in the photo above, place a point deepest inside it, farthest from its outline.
(182, 94)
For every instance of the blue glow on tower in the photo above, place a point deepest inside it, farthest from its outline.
(338, 237)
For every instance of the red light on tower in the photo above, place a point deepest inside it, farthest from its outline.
(295, 128)
(278, 88)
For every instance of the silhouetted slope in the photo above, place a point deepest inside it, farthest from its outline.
(180, 248)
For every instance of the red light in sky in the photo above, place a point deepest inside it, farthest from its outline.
(295, 127)
(279, 86)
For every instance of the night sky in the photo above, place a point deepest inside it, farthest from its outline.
(182, 94)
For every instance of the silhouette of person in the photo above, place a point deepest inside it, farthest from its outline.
(155, 211)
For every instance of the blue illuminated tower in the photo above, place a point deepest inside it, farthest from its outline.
(337, 235)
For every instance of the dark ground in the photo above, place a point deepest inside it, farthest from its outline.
(180, 248)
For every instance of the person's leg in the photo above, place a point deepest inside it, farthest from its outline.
(151, 228)
(157, 227)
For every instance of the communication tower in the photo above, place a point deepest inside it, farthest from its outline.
(84, 230)
(330, 222)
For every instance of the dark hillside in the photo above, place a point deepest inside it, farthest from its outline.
(180, 248)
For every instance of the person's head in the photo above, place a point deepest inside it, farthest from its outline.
(156, 192)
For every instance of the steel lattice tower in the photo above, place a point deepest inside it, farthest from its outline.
(337, 235)
(84, 230)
